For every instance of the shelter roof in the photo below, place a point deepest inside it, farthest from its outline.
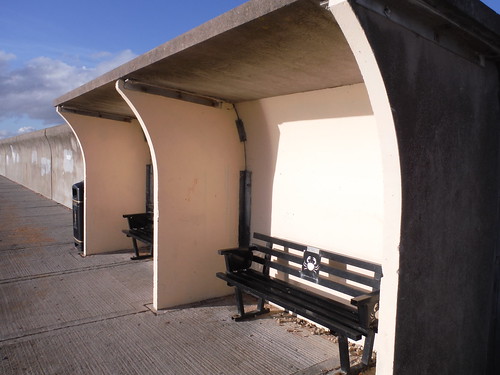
(263, 49)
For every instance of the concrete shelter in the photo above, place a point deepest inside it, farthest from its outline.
(369, 128)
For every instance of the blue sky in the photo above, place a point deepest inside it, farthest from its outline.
(49, 47)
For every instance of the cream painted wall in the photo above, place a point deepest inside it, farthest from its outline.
(197, 158)
(115, 155)
(326, 173)
(328, 185)
(317, 170)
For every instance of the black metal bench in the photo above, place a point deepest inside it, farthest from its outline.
(248, 269)
(140, 228)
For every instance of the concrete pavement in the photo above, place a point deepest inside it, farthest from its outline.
(61, 313)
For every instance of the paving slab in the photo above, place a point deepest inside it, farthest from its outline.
(43, 261)
(42, 304)
(25, 235)
(200, 340)
(62, 313)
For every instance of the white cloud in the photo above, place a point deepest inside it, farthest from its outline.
(8, 133)
(100, 55)
(4, 60)
(28, 91)
(4, 56)
(26, 129)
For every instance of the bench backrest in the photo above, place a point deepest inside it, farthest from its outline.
(339, 272)
(142, 222)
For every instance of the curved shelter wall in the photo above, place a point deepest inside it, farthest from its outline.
(325, 172)
(116, 155)
(446, 113)
(197, 159)
(392, 187)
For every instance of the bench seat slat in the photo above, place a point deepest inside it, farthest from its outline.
(145, 237)
(305, 297)
(272, 295)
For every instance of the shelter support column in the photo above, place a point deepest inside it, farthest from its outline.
(355, 36)
(115, 155)
(197, 158)
(443, 94)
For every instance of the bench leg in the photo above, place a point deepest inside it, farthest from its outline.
(239, 303)
(260, 306)
(137, 254)
(242, 315)
(136, 248)
(345, 365)
(368, 348)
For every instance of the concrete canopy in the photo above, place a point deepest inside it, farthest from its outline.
(248, 53)
(430, 70)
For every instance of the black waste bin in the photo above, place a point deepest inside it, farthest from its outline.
(78, 215)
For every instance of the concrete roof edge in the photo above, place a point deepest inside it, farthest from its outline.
(479, 11)
(238, 16)
(479, 20)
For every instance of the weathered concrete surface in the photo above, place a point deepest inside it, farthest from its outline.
(65, 314)
(67, 162)
(446, 112)
(260, 49)
(27, 160)
(48, 161)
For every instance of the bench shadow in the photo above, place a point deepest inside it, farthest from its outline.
(228, 301)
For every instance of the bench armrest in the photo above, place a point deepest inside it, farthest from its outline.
(237, 259)
(367, 305)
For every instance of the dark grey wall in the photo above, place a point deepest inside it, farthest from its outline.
(446, 112)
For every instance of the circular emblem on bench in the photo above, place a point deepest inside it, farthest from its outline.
(311, 264)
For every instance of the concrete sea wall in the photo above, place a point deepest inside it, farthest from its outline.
(47, 161)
